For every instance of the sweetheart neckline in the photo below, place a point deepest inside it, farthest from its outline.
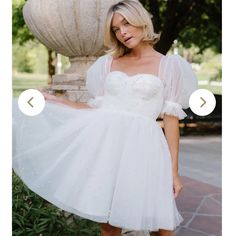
(148, 74)
(156, 76)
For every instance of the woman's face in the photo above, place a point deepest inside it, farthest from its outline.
(126, 33)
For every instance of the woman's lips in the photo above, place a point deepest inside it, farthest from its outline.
(128, 39)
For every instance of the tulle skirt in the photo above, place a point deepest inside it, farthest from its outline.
(103, 165)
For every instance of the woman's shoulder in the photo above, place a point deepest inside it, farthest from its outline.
(175, 59)
(100, 62)
(103, 58)
(175, 64)
(175, 67)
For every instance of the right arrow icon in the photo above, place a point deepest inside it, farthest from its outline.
(204, 102)
(207, 102)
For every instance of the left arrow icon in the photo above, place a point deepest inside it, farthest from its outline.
(30, 101)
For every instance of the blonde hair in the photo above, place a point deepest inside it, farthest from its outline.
(134, 12)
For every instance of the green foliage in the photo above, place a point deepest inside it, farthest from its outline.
(211, 63)
(32, 57)
(34, 216)
(218, 76)
(20, 32)
(195, 22)
(23, 59)
(204, 27)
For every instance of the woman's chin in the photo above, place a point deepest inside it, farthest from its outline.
(131, 45)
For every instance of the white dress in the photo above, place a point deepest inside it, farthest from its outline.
(110, 163)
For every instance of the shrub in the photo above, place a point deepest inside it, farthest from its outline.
(34, 216)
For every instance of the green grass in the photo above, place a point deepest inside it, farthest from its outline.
(201, 76)
(213, 89)
(23, 81)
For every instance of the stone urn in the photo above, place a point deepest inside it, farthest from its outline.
(73, 28)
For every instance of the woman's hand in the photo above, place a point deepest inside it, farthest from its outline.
(50, 97)
(76, 105)
(177, 185)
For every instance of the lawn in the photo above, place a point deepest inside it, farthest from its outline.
(212, 88)
(25, 81)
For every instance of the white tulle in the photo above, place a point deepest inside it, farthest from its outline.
(110, 163)
(95, 102)
(173, 109)
(179, 83)
(96, 75)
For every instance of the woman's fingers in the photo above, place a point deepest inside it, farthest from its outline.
(177, 191)
(177, 186)
(49, 97)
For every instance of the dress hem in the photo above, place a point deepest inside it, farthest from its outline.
(98, 219)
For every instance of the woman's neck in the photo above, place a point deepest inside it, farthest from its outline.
(142, 50)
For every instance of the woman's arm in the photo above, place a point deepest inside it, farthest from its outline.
(67, 102)
(171, 127)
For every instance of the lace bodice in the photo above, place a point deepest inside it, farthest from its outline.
(141, 93)
(146, 94)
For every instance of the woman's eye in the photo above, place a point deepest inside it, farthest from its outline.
(115, 30)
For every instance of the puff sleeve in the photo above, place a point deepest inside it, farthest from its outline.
(95, 79)
(179, 83)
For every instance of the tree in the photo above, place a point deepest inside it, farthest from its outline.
(21, 34)
(20, 31)
(197, 22)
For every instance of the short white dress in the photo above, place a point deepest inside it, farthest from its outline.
(109, 163)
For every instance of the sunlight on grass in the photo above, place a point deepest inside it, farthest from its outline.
(23, 81)
(212, 88)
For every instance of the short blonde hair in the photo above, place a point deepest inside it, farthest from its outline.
(134, 12)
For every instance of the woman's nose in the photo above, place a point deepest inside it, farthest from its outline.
(123, 31)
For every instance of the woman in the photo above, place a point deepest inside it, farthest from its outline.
(108, 160)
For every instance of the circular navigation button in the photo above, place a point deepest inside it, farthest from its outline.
(202, 102)
(31, 102)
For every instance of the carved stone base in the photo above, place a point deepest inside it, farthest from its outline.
(71, 85)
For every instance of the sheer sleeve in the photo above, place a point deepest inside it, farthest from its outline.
(179, 83)
(95, 79)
